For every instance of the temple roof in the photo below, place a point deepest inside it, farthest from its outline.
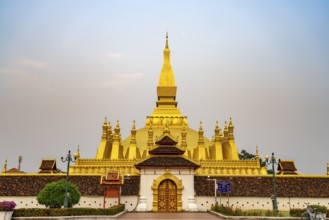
(166, 161)
(48, 166)
(168, 149)
(286, 167)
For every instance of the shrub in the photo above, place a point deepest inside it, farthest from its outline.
(319, 208)
(52, 195)
(7, 205)
(35, 212)
(299, 212)
(226, 210)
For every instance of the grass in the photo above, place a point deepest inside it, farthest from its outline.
(263, 212)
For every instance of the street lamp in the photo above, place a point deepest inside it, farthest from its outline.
(215, 182)
(272, 161)
(68, 159)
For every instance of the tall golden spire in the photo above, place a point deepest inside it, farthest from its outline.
(167, 87)
(166, 105)
(167, 77)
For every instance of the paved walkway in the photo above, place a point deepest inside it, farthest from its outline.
(167, 215)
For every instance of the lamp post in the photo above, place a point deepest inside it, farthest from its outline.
(215, 182)
(68, 159)
(272, 161)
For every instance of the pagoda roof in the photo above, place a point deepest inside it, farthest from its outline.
(166, 161)
(287, 167)
(166, 150)
(112, 178)
(48, 166)
(166, 139)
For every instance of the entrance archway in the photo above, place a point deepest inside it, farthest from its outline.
(167, 193)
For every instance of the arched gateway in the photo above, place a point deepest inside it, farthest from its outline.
(167, 193)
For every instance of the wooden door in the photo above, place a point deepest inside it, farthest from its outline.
(167, 196)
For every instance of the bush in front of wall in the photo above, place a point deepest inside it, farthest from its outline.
(52, 195)
(296, 212)
(7, 205)
(35, 212)
(299, 212)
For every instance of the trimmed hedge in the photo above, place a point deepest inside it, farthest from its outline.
(230, 211)
(299, 212)
(296, 212)
(34, 212)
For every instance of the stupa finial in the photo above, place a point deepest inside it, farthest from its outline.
(167, 45)
(134, 125)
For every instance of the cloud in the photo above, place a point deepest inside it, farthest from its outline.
(115, 56)
(119, 81)
(32, 63)
(12, 72)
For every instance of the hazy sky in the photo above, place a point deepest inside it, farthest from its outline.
(65, 65)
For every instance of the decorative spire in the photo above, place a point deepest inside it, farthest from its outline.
(117, 127)
(4, 170)
(109, 132)
(221, 137)
(117, 131)
(150, 137)
(217, 130)
(133, 134)
(77, 154)
(201, 139)
(231, 130)
(166, 130)
(104, 134)
(225, 131)
(184, 134)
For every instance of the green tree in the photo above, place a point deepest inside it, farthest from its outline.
(52, 195)
(244, 155)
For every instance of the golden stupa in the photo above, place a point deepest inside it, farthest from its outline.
(216, 156)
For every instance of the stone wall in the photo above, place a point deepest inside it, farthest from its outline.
(242, 186)
(30, 185)
(262, 186)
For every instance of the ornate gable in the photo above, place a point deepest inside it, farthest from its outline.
(286, 167)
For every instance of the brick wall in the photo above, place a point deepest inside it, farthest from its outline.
(301, 186)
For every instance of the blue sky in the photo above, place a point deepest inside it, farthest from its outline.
(65, 65)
